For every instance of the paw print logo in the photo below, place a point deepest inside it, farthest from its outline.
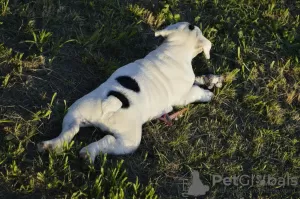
(197, 188)
(260, 180)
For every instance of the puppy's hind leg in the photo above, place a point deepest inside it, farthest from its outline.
(70, 128)
(126, 142)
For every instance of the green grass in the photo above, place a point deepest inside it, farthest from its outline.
(53, 52)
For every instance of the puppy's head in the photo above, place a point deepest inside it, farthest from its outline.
(187, 32)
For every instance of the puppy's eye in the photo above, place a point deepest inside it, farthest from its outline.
(191, 27)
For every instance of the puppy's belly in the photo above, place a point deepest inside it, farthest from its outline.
(160, 101)
(161, 113)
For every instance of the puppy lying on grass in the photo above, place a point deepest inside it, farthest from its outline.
(137, 92)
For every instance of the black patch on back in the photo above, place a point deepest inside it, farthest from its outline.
(121, 97)
(129, 83)
(191, 27)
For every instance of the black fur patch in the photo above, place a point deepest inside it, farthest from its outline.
(191, 27)
(128, 83)
(121, 97)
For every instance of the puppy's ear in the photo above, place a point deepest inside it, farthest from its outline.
(205, 44)
(206, 48)
(171, 29)
(163, 33)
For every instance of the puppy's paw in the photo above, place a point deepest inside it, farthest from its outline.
(210, 94)
(207, 96)
(50, 146)
(83, 155)
(210, 81)
(86, 157)
(42, 146)
(215, 81)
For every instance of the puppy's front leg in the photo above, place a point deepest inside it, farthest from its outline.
(196, 94)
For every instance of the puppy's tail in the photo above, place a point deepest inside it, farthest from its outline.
(111, 104)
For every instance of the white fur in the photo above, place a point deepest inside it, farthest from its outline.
(165, 77)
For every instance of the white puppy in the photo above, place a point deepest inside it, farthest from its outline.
(138, 92)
